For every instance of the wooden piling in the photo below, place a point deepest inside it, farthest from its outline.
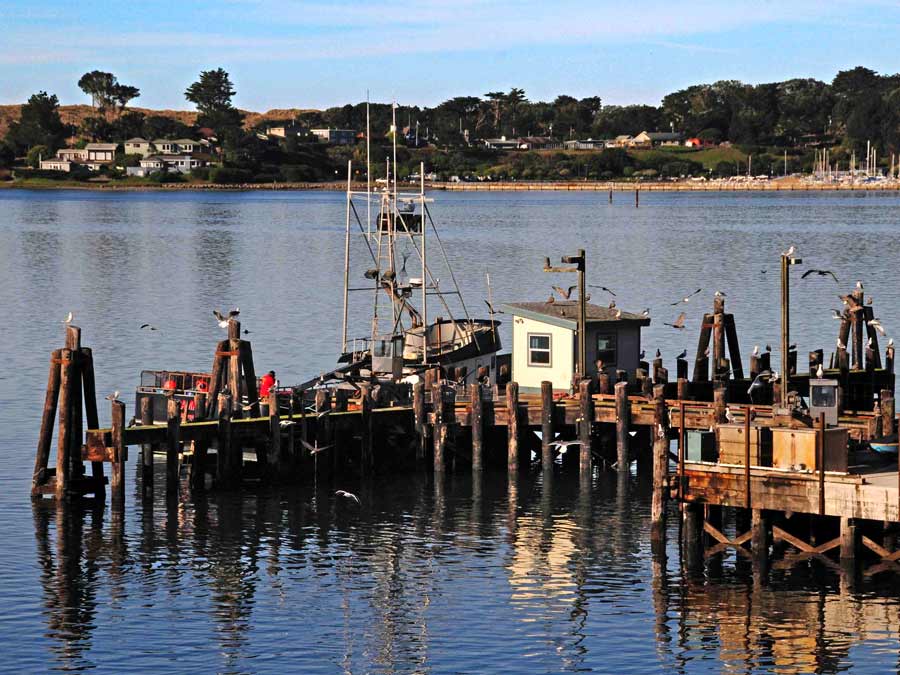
(120, 455)
(512, 410)
(692, 535)
(681, 369)
(92, 419)
(660, 462)
(48, 419)
(637, 198)
(586, 416)
(754, 366)
(701, 361)
(201, 446)
(476, 422)
(234, 374)
(603, 384)
(146, 413)
(682, 389)
(760, 534)
(547, 423)
(887, 412)
(858, 321)
(849, 538)
(245, 355)
(173, 444)
(734, 348)
(64, 441)
(367, 420)
(275, 460)
(226, 472)
(216, 378)
(421, 422)
(720, 404)
(440, 428)
(655, 367)
(623, 461)
(816, 359)
(747, 459)
(718, 346)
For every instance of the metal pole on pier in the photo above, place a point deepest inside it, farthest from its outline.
(346, 262)
(786, 262)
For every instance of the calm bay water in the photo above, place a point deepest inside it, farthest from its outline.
(481, 577)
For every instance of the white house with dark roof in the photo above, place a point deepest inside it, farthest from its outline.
(652, 139)
(101, 153)
(138, 146)
(545, 342)
(56, 164)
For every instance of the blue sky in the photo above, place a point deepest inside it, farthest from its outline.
(293, 53)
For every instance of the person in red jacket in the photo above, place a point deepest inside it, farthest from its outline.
(266, 382)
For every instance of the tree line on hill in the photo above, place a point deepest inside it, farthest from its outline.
(857, 107)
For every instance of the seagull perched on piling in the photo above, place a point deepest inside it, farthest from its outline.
(820, 372)
(646, 312)
(347, 495)
(789, 252)
(69, 317)
(755, 351)
(222, 319)
(682, 355)
(720, 294)
(113, 396)
(840, 345)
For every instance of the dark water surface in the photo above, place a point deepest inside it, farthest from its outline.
(475, 577)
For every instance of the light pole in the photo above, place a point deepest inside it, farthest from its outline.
(579, 262)
(786, 261)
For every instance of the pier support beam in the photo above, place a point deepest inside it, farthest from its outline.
(440, 427)
(173, 444)
(623, 460)
(64, 441)
(476, 423)
(146, 416)
(586, 416)
(512, 428)
(692, 536)
(120, 454)
(420, 419)
(849, 539)
(226, 472)
(761, 535)
(45, 439)
(547, 423)
(660, 463)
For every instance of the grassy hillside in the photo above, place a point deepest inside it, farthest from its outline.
(74, 114)
(708, 157)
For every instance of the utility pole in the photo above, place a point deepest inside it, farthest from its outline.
(580, 263)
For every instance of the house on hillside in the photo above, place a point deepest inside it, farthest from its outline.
(623, 141)
(138, 146)
(180, 163)
(654, 139)
(73, 155)
(502, 143)
(56, 164)
(537, 143)
(335, 136)
(101, 153)
(588, 144)
(285, 131)
(545, 342)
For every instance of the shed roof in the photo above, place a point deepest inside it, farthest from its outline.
(565, 313)
(101, 146)
(137, 140)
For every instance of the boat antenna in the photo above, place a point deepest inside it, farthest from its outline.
(368, 171)
(394, 134)
(487, 276)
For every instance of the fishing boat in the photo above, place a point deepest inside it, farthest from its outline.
(395, 259)
(887, 445)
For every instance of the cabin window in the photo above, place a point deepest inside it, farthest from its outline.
(606, 349)
(538, 349)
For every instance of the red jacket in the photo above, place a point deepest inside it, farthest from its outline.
(266, 382)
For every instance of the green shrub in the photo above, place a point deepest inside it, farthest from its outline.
(224, 174)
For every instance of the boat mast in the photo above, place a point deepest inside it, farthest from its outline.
(368, 171)
(346, 262)
(424, 264)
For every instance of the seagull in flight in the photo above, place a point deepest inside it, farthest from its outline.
(565, 293)
(563, 446)
(603, 288)
(678, 323)
(148, 326)
(491, 308)
(836, 314)
(315, 449)
(222, 319)
(347, 495)
(686, 298)
(821, 273)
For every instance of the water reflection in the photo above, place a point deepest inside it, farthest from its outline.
(375, 588)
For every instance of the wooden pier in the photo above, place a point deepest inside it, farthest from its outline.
(227, 437)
